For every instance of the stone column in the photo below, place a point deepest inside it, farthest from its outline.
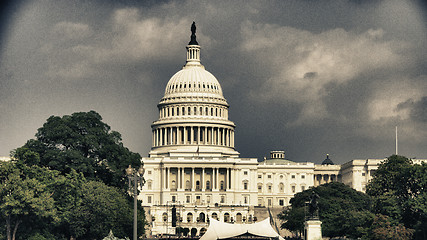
(192, 179)
(202, 179)
(179, 178)
(205, 132)
(191, 135)
(185, 134)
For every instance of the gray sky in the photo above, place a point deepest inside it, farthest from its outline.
(307, 77)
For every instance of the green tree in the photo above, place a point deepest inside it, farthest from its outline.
(80, 141)
(103, 208)
(399, 191)
(383, 229)
(24, 197)
(342, 210)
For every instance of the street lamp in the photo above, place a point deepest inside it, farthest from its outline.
(135, 179)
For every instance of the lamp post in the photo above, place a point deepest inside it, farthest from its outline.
(136, 179)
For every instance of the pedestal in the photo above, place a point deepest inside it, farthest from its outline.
(313, 230)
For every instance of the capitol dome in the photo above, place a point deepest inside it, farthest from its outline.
(193, 113)
(193, 81)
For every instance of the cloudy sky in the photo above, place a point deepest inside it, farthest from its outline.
(307, 77)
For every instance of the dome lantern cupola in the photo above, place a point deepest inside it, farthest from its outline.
(193, 49)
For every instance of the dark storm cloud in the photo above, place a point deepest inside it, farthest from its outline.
(306, 77)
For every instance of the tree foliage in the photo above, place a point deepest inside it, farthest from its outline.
(399, 192)
(80, 141)
(69, 182)
(342, 210)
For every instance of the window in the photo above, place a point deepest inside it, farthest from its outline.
(187, 185)
(303, 176)
(269, 202)
(269, 176)
(281, 176)
(149, 185)
(197, 185)
(281, 187)
(173, 185)
(208, 185)
(245, 173)
(208, 199)
(302, 188)
(188, 199)
(215, 216)
(293, 189)
(259, 176)
(293, 176)
(189, 217)
(269, 188)
(245, 200)
(245, 185)
(260, 187)
(198, 200)
(165, 217)
(260, 201)
(222, 199)
(149, 172)
(363, 173)
(221, 185)
(281, 202)
(149, 199)
(173, 198)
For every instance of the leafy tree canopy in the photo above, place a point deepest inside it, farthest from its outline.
(342, 210)
(399, 192)
(80, 141)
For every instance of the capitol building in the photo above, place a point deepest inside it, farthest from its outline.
(194, 167)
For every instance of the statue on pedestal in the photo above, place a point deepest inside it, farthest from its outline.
(313, 208)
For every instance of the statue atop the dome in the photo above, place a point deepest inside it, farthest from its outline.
(193, 40)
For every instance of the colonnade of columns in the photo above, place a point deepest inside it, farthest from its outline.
(196, 179)
(193, 53)
(320, 179)
(193, 135)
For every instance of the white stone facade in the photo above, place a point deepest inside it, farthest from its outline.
(194, 166)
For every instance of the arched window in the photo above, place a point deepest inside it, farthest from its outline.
(187, 185)
(269, 187)
(208, 184)
(189, 217)
(165, 217)
(173, 185)
(260, 187)
(238, 217)
(201, 217)
(281, 187)
(215, 216)
(197, 185)
(221, 185)
(226, 217)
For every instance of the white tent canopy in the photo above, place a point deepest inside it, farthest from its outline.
(221, 230)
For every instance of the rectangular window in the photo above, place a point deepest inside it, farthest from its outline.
(269, 202)
(149, 199)
(149, 172)
(293, 176)
(302, 188)
(302, 176)
(281, 202)
(269, 176)
(188, 199)
(293, 189)
(173, 198)
(269, 188)
(245, 172)
(208, 199)
(259, 176)
(222, 199)
(245, 200)
(260, 201)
